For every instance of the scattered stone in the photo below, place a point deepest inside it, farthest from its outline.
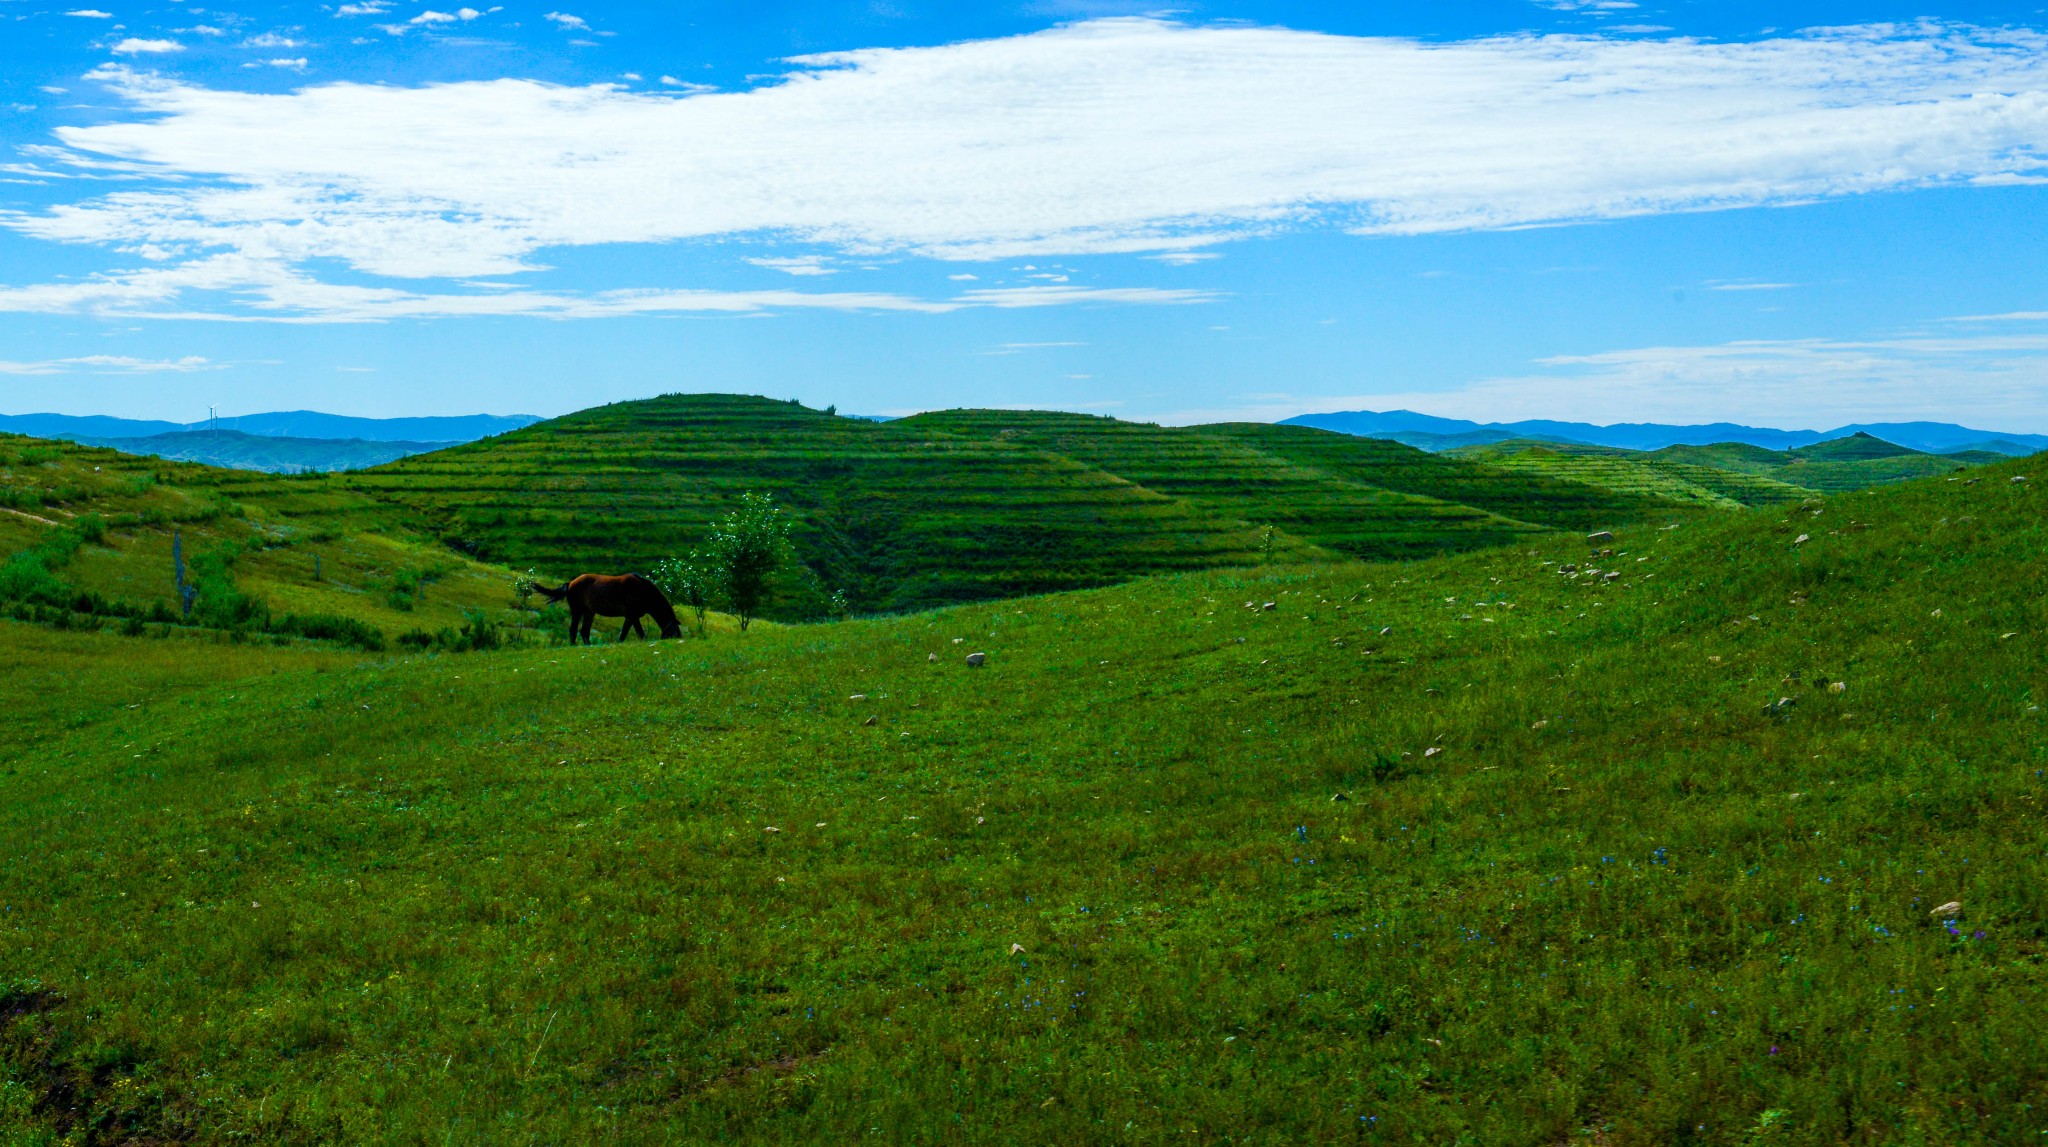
(1838, 687)
(1335, 797)
(975, 659)
(2019, 477)
(858, 697)
(771, 828)
(958, 640)
(1780, 707)
(1611, 575)
(931, 657)
(1431, 751)
(1270, 605)
(1016, 949)
(1387, 632)
(1952, 908)
(1802, 539)
(1936, 613)
(1599, 536)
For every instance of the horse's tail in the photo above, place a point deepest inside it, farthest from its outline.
(556, 593)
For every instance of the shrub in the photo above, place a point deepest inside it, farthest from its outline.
(332, 627)
(91, 527)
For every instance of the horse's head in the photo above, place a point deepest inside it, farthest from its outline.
(670, 627)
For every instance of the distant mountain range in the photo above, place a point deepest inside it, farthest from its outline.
(274, 453)
(278, 424)
(1429, 432)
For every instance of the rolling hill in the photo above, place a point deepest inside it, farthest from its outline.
(956, 506)
(1728, 474)
(1722, 834)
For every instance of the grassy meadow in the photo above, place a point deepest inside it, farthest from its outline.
(1624, 842)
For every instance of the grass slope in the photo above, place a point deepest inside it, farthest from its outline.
(1593, 878)
(299, 545)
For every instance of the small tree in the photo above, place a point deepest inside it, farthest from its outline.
(744, 552)
(686, 581)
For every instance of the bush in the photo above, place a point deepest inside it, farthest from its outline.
(91, 527)
(26, 577)
(332, 627)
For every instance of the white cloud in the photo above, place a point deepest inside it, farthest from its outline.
(1076, 140)
(1183, 258)
(133, 47)
(110, 364)
(567, 21)
(432, 17)
(687, 86)
(91, 14)
(270, 40)
(297, 63)
(368, 8)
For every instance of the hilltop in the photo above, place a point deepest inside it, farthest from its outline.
(1634, 841)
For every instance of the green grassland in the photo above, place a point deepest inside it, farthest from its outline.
(1642, 859)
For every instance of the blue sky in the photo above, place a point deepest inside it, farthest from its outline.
(1797, 215)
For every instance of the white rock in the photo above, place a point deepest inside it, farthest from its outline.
(1952, 908)
(975, 659)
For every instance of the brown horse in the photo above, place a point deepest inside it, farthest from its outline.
(630, 596)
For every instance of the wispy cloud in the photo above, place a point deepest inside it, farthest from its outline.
(110, 364)
(796, 264)
(133, 46)
(1075, 140)
(91, 14)
(239, 288)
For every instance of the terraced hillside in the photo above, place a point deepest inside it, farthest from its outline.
(940, 508)
(1230, 479)
(1740, 847)
(1559, 502)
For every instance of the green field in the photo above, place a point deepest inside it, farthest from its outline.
(1615, 860)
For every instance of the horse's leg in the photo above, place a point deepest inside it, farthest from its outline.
(580, 628)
